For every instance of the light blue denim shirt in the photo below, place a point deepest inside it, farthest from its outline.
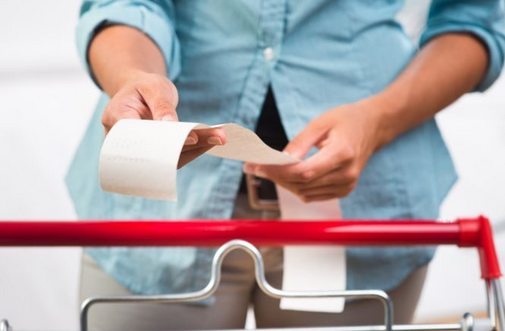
(325, 53)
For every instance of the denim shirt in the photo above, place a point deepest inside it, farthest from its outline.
(315, 54)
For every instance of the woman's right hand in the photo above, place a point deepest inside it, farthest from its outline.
(150, 96)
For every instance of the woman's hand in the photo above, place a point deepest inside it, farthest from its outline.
(445, 68)
(151, 96)
(131, 69)
(346, 138)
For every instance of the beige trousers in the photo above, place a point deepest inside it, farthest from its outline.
(235, 294)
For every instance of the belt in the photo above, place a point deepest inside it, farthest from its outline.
(262, 193)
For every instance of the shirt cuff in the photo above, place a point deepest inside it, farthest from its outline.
(156, 26)
(495, 53)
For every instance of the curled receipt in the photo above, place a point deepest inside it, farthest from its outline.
(140, 157)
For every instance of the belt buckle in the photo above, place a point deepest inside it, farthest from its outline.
(255, 201)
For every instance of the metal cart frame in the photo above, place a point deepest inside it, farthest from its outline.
(231, 235)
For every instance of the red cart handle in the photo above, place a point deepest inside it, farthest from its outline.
(474, 232)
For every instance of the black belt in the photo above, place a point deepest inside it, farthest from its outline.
(261, 192)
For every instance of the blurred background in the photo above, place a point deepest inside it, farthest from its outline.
(46, 100)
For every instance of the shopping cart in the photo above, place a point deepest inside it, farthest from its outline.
(245, 235)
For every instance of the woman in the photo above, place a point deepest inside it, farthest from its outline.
(340, 76)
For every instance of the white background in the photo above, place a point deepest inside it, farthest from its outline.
(46, 100)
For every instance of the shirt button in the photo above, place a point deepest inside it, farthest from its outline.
(268, 53)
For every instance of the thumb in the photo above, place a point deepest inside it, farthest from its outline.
(162, 102)
(300, 145)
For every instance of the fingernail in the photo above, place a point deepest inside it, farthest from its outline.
(190, 141)
(168, 118)
(294, 155)
(214, 141)
(260, 173)
(249, 169)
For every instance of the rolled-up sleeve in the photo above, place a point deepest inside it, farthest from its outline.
(485, 19)
(155, 18)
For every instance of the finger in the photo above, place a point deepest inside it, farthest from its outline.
(278, 173)
(328, 159)
(111, 117)
(189, 156)
(162, 99)
(294, 173)
(319, 198)
(299, 146)
(333, 190)
(200, 144)
(211, 136)
(203, 138)
(341, 176)
(331, 157)
(187, 148)
(191, 139)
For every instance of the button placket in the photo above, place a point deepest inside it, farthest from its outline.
(272, 28)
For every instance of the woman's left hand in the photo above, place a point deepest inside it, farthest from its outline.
(346, 137)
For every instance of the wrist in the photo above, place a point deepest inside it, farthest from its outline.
(383, 111)
(129, 77)
(120, 80)
(119, 54)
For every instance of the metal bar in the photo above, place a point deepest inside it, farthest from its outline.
(218, 232)
(260, 279)
(498, 295)
(490, 303)
(4, 326)
(406, 327)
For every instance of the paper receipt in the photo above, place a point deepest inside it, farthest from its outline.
(312, 268)
(139, 157)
